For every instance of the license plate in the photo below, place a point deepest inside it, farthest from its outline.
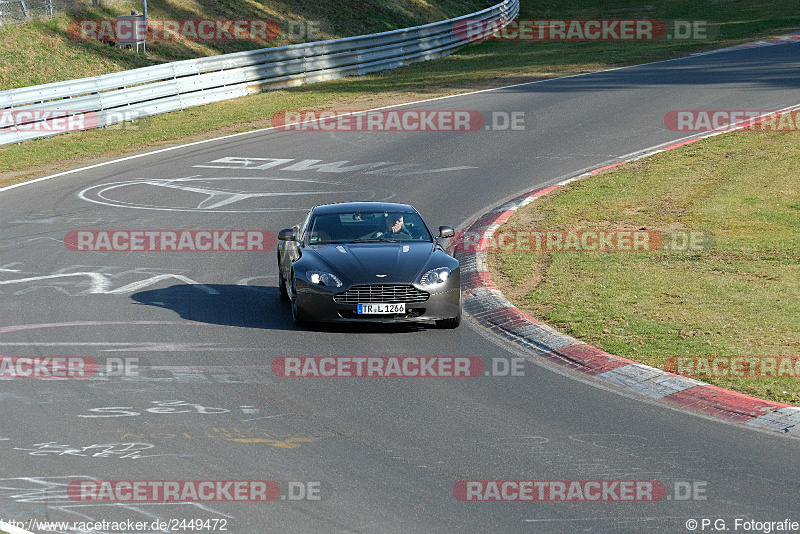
(381, 308)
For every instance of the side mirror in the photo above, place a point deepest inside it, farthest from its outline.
(287, 234)
(446, 231)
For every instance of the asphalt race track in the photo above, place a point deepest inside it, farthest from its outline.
(382, 455)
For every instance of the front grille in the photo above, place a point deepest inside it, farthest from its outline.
(388, 293)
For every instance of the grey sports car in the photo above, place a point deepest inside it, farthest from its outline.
(368, 261)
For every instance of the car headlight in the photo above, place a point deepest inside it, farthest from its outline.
(322, 278)
(435, 276)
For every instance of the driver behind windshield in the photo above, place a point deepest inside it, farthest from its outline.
(392, 228)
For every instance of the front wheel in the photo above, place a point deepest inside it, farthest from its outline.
(297, 315)
(282, 287)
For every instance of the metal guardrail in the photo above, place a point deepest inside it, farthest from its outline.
(112, 98)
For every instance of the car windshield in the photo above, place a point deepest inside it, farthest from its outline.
(367, 227)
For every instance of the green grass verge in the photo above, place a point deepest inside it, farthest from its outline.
(739, 298)
(475, 66)
(44, 51)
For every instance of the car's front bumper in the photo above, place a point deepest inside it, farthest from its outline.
(316, 303)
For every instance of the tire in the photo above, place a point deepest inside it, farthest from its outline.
(282, 286)
(450, 323)
(297, 315)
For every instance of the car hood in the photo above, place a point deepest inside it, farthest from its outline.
(360, 263)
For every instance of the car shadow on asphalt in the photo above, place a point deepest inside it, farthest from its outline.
(247, 307)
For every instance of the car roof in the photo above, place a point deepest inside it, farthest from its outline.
(344, 207)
